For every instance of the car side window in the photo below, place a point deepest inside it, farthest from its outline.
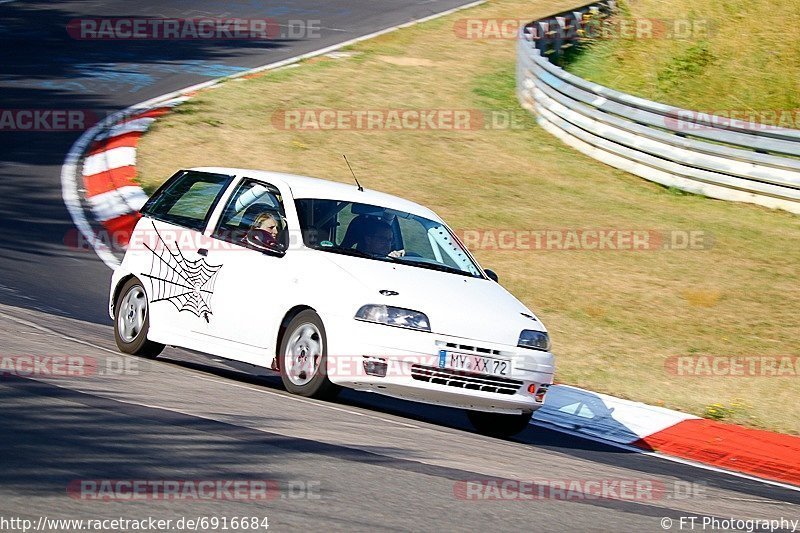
(187, 198)
(432, 242)
(254, 214)
(416, 238)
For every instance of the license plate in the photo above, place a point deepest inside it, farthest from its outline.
(474, 363)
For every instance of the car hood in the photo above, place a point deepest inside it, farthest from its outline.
(472, 308)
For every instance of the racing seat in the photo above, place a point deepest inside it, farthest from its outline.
(355, 231)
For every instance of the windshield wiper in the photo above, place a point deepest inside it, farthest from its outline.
(354, 252)
(431, 266)
(435, 266)
(343, 251)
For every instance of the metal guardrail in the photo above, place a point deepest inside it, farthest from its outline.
(696, 152)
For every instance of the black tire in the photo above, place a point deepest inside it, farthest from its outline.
(134, 340)
(497, 424)
(306, 324)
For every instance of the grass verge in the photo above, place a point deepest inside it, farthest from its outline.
(731, 55)
(615, 316)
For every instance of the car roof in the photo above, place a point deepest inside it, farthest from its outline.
(307, 187)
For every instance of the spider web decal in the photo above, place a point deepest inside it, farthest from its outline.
(186, 284)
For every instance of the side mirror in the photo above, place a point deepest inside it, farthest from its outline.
(491, 274)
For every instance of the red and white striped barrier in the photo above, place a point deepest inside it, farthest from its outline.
(763, 454)
(109, 169)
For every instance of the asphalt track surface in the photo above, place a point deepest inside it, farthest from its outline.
(365, 461)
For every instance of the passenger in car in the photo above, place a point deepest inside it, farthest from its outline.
(265, 230)
(269, 222)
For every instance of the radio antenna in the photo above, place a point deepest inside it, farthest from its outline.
(360, 188)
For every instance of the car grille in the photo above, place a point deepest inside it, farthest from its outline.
(465, 380)
(468, 348)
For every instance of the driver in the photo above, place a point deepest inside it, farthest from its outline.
(376, 239)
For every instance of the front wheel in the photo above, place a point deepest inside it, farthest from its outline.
(497, 424)
(132, 321)
(303, 358)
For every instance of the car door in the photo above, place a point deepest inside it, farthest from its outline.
(254, 279)
(166, 253)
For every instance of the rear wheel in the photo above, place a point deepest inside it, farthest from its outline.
(497, 424)
(303, 358)
(132, 321)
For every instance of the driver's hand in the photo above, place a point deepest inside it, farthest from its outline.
(397, 253)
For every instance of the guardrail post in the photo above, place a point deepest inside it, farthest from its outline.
(558, 42)
(542, 36)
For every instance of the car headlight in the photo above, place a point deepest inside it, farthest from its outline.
(393, 316)
(537, 340)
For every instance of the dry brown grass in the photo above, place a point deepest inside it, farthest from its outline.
(614, 316)
(743, 55)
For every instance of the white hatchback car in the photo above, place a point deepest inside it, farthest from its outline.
(332, 285)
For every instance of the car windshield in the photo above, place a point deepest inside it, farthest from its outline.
(382, 234)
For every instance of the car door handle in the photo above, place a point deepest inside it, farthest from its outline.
(203, 252)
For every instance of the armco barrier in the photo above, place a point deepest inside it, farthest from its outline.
(695, 152)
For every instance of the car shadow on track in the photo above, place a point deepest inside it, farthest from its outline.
(538, 437)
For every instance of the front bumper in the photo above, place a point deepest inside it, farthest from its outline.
(413, 370)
